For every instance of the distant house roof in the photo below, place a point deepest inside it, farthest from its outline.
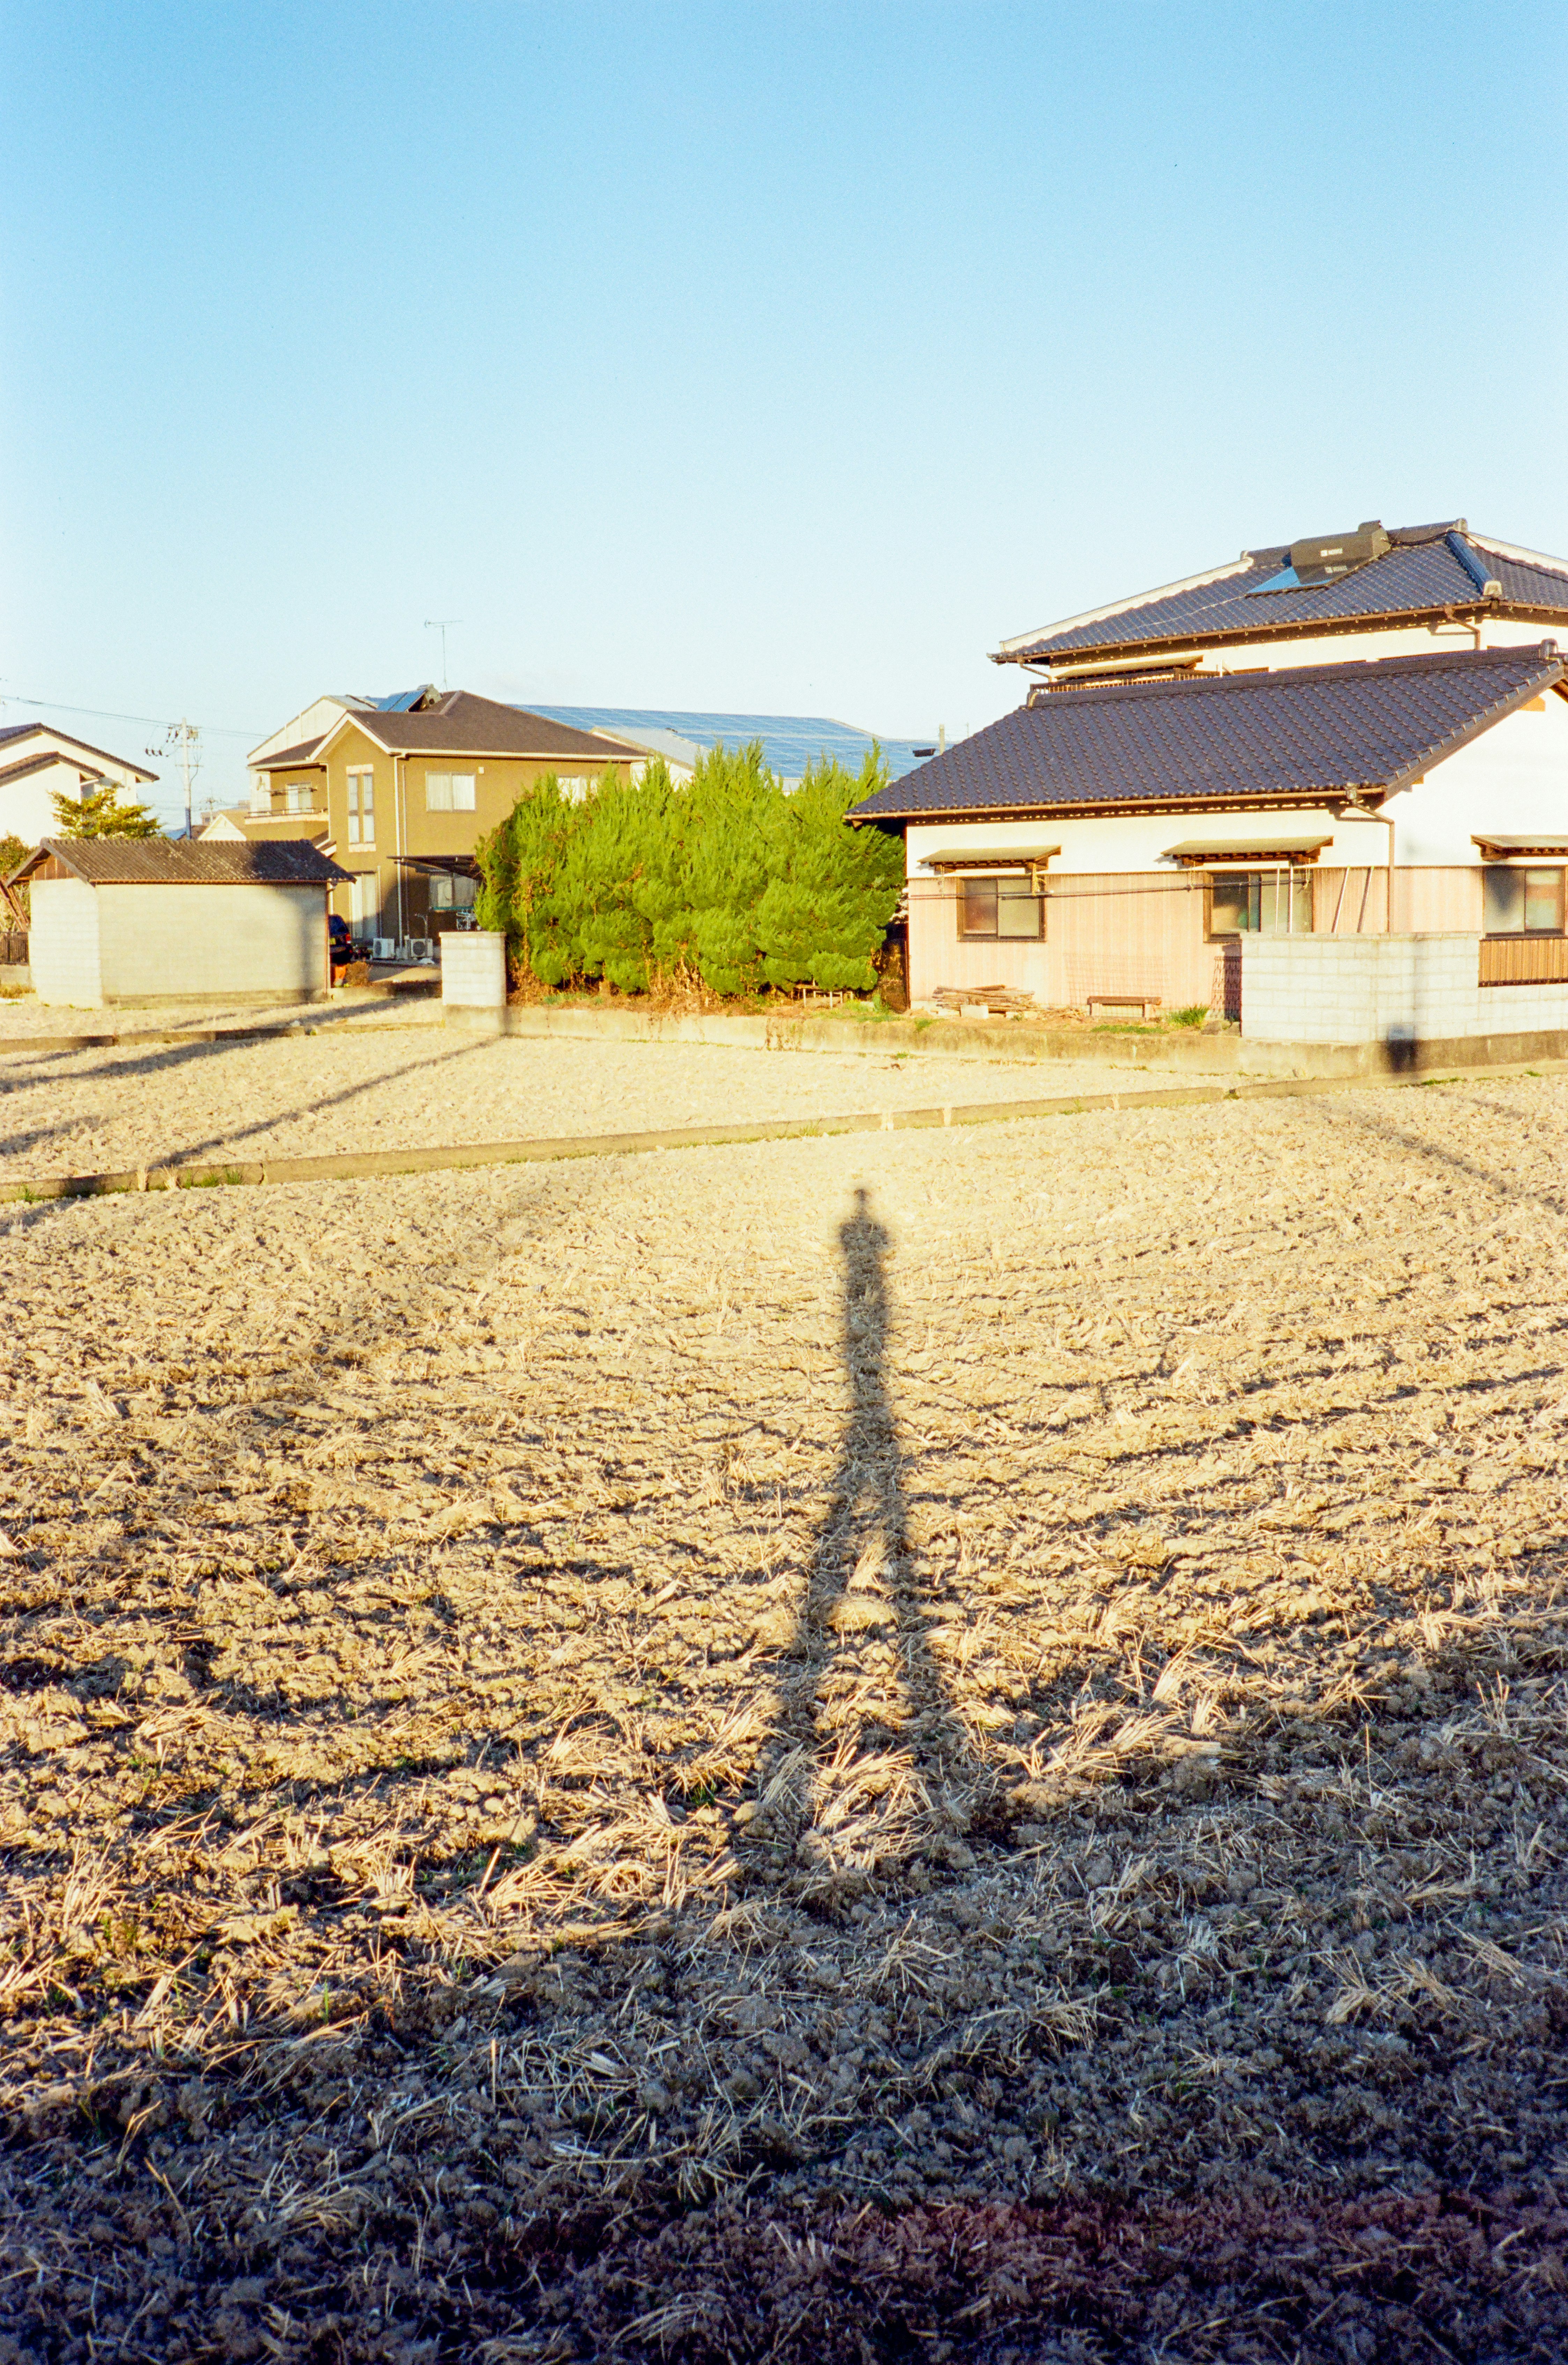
(1218, 740)
(185, 862)
(289, 759)
(1421, 572)
(789, 741)
(457, 724)
(12, 732)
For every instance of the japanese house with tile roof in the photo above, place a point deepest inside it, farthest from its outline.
(400, 790)
(1351, 734)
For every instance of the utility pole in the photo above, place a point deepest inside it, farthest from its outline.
(440, 625)
(183, 741)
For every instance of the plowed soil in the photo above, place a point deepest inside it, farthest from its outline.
(930, 1746)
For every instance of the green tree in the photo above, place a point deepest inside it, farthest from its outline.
(98, 812)
(726, 877)
(830, 890)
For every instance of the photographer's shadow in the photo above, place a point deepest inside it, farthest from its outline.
(867, 1734)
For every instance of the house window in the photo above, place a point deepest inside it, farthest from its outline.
(451, 894)
(572, 787)
(1259, 902)
(361, 808)
(1519, 902)
(999, 907)
(298, 798)
(449, 792)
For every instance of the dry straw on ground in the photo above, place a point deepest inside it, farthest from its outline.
(113, 1109)
(659, 1760)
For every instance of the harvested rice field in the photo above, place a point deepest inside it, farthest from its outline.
(931, 1745)
(110, 1109)
(23, 1017)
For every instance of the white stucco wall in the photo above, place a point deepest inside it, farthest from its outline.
(1138, 841)
(62, 943)
(172, 943)
(27, 806)
(1515, 777)
(1351, 648)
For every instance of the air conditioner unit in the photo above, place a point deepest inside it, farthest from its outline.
(420, 949)
(381, 949)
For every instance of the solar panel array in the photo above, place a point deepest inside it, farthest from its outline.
(789, 741)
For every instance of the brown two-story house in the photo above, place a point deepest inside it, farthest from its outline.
(402, 796)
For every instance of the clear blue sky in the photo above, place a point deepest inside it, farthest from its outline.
(762, 357)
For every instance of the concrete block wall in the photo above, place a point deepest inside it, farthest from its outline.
(474, 969)
(187, 942)
(62, 943)
(1390, 990)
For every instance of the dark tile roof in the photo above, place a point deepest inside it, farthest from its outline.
(188, 862)
(1428, 568)
(464, 725)
(1218, 740)
(287, 760)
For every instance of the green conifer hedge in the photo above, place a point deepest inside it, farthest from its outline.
(728, 877)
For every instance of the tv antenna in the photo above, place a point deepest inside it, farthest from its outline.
(441, 624)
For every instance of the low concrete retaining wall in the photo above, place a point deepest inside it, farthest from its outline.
(962, 1038)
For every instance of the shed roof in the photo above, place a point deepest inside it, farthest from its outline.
(1428, 570)
(187, 862)
(1221, 740)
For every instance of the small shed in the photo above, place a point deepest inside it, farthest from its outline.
(127, 920)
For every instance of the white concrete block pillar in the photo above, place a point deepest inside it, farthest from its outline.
(474, 969)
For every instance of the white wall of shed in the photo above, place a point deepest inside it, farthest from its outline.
(170, 944)
(62, 943)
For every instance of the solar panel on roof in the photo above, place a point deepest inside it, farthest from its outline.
(789, 741)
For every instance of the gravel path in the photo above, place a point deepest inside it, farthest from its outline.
(105, 1111)
(944, 1745)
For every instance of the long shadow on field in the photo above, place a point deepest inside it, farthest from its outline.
(862, 1579)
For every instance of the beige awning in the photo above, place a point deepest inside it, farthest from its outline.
(1506, 842)
(979, 861)
(1280, 848)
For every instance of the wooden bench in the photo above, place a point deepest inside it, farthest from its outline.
(1142, 1002)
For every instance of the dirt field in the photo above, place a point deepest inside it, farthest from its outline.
(662, 1760)
(23, 1016)
(105, 1111)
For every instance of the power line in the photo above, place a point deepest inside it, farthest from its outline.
(107, 715)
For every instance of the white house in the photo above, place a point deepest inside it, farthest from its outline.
(38, 763)
(1361, 733)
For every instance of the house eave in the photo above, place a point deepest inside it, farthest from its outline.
(1106, 653)
(1317, 800)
